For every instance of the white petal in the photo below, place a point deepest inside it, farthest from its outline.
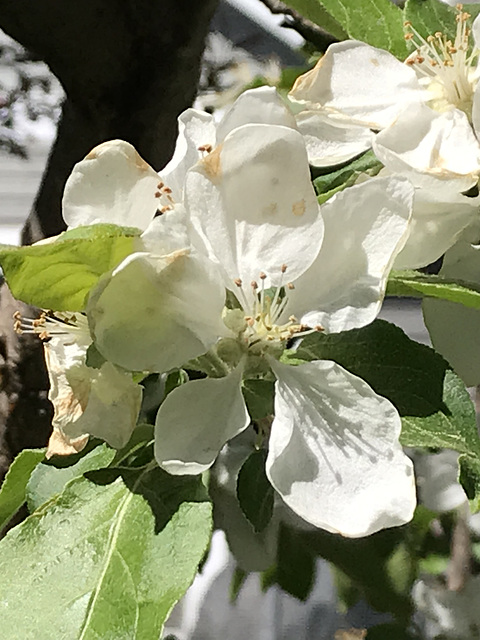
(252, 202)
(113, 406)
(476, 28)
(155, 314)
(101, 402)
(112, 184)
(367, 85)
(453, 328)
(196, 420)
(365, 227)
(441, 145)
(334, 454)
(256, 106)
(476, 111)
(166, 233)
(439, 217)
(330, 142)
(196, 129)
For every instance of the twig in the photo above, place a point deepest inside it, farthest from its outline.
(320, 38)
(459, 567)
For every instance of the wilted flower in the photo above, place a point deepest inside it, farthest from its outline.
(101, 401)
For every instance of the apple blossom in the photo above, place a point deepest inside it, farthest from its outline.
(152, 289)
(425, 113)
(357, 86)
(103, 402)
(334, 455)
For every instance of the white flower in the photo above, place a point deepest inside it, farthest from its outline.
(426, 114)
(334, 454)
(357, 85)
(355, 88)
(102, 402)
(150, 293)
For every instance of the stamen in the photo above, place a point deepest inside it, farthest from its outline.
(262, 291)
(446, 63)
(50, 324)
(168, 202)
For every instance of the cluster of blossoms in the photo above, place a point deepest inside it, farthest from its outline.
(421, 118)
(235, 261)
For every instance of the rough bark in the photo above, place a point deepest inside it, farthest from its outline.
(128, 67)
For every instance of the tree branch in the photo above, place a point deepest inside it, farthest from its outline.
(320, 38)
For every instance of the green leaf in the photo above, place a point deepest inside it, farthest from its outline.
(313, 10)
(377, 22)
(436, 408)
(254, 491)
(327, 184)
(141, 442)
(294, 571)
(59, 275)
(107, 559)
(13, 489)
(175, 379)
(430, 16)
(94, 358)
(416, 284)
(470, 479)
(238, 580)
(48, 480)
(259, 396)
(366, 562)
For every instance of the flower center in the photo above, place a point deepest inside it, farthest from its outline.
(258, 324)
(447, 69)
